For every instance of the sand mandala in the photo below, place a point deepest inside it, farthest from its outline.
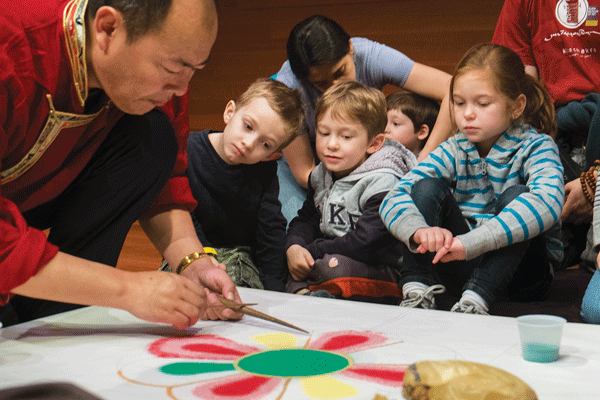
(347, 364)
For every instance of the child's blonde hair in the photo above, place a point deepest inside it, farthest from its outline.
(357, 102)
(286, 102)
(510, 79)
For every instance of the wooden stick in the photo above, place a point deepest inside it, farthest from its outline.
(244, 309)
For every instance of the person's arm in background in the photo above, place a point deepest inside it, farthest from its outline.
(299, 157)
(435, 84)
(385, 65)
(172, 233)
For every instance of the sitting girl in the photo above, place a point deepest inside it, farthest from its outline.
(481, 213)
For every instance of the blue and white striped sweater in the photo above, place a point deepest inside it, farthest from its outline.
(520, 156)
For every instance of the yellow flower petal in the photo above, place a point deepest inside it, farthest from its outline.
(326, 387)
(277, 340)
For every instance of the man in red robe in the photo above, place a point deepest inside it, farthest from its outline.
(93, 128)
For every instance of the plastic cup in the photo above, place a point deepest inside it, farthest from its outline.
(540, 336)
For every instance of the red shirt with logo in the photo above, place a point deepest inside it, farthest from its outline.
(561, 38)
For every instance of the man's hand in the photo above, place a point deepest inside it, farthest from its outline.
(163, 297)
(215, 281)
(300, 262)
(576, 209)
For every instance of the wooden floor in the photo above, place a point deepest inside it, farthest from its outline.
(138, 253)
(251, 44)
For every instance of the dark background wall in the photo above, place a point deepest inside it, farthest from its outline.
(252, 36)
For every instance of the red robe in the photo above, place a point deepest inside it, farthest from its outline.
(42, 84)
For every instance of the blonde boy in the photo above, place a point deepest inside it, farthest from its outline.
(410, 119)
(338, 242)
(234, 180)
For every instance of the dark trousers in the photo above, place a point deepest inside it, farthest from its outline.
(92, 217)
(521, 269)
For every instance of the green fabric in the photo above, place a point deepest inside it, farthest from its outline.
(239, 263)
(240, 266)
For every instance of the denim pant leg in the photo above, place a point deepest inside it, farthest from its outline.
(437, 205)
(519, 266)
(291, 194)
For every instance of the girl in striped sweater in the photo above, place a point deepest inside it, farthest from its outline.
(480, 215)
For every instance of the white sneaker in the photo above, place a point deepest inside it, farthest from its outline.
(467, 308)
(425, 299)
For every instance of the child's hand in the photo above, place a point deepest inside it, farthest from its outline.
(300, 262)
(455, 252)
(432, 239)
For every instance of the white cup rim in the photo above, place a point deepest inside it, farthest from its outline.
(545, 319)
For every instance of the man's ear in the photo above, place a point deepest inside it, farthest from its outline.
(229, 111)
(107, 22)
(376, 143)
(423, 132)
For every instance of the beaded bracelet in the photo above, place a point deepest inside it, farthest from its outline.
(587, 178)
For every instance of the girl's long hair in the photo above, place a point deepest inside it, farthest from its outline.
(511, 80)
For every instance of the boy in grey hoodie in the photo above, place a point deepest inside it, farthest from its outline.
(338, 242)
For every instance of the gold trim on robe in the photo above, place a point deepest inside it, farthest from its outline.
(56, 122)
(74, 30)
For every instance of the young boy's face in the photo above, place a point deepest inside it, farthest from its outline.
(401, 129)
(253, 132)
(342, 144)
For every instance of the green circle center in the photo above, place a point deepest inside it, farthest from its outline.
(292, 362)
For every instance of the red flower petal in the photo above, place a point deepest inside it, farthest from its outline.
(209, 347)
(348, 341)
(389, 375)
(239, 387)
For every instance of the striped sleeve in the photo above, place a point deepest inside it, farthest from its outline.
(529, 214)
(398, 211)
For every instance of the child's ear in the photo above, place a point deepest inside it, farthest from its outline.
(519, 106)
(229, 111)
(274, 156)
(376, 143)
(423, 133)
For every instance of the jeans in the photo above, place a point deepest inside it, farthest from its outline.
(590, 306)
(522, 269)
(291, 194)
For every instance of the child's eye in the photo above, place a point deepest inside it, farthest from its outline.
(347, 137)
(323, 133)
(169, 71)
(266, 145)
(248, 127)
(484, 104)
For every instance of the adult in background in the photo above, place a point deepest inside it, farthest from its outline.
(321, 54)
(558, 41)
(94, 124)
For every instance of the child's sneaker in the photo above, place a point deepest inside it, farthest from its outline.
(424, 299)
(467, 308)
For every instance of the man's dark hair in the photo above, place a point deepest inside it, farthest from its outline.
(140, 16)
